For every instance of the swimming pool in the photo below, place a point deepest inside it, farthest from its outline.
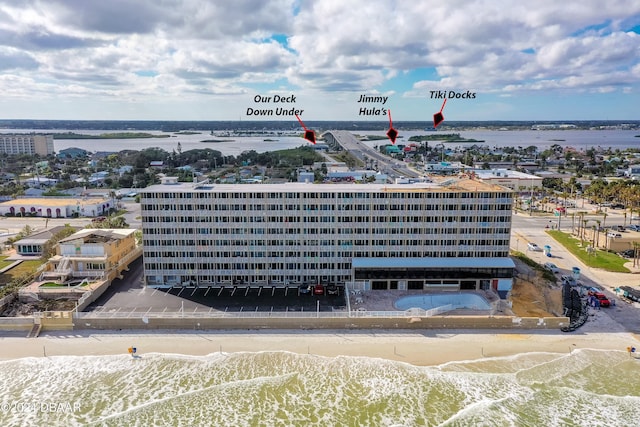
(429, 301)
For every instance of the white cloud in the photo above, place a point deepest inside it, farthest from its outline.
(170, 49)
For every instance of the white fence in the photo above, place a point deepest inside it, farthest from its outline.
(141, 314)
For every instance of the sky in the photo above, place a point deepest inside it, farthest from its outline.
(210, 60)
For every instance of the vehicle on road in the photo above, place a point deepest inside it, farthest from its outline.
(602, 299)
(627, 253)
(533, 247)
(551, 267)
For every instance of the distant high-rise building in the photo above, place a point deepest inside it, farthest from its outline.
(453, 235)
(26, 143)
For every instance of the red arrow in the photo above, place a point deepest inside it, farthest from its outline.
(309, 135)
(392, 133)
(438, 117)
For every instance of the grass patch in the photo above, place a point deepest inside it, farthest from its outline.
(348, 158)
(62, 285)
(546, 274)
(4, 263)
(25, 267)
(53, 285)
(599, 259)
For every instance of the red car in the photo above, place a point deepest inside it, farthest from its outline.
(604, 301)
(318, 290)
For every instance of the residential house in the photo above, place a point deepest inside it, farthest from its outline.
(94, 254)
(32, 245)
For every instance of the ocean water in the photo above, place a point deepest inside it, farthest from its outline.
(584, 388)
(579, 139)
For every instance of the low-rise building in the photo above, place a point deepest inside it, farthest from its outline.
(446, 168)
(518, 181)
(56, 207)
(32, 245)
(93, 254)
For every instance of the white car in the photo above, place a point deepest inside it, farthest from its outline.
(533, 247)
(551, 267)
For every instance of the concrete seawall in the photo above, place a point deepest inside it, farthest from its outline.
(16, 323)
(434, 322)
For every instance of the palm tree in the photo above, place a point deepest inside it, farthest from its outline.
(604, 219)
(636, 245)
(597, 239)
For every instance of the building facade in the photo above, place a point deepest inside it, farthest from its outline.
(26, 143)
(56, 207)
(400, 236)
(93, 254)
(515, 180)
(33, 244)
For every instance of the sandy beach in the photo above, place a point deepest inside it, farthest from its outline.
(422, 349)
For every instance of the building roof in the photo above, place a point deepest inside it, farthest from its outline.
(504, 173)
(446, 185)
(42, 236)
(433, 263)
(53, 202)
(98, 235)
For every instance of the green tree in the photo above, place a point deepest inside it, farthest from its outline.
(49, 248)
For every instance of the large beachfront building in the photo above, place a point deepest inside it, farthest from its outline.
(453, 235)
(26, 143)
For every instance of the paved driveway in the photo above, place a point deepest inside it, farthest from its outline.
(130, 295)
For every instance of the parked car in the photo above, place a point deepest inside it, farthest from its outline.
(620, 228)
(602, 299)
(318, 290)
(332, 290)
(614, 235)
(533, 247)
(551, 267)
(304, 289)
(633, 227)
(628, 253)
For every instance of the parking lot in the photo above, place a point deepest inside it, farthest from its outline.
(130, 295)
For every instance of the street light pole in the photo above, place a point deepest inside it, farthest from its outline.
(531, 199)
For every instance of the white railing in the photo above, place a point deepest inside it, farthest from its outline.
(56, 273)
(211, 313)
(63, 266)
(99, 274)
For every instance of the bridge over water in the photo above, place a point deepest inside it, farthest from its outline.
(342, 139)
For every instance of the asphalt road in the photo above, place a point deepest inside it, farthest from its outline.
(527, 229)
(392, 167)
(12, 225)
